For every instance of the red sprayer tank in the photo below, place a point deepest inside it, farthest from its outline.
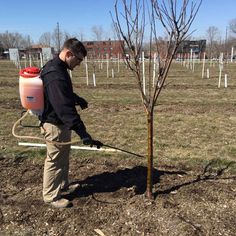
(31, 90)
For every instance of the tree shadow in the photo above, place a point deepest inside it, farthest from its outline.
(212, 171)
(112, 181)
(135, 178)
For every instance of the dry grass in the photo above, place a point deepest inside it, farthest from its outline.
(194, 120)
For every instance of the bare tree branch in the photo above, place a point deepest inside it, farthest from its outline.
(144, 16)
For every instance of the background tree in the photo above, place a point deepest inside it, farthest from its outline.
(113, 32)
(29, 42)
(13, 40)
(80, 35)
(46, 39)
(133, 19)
(59, 39)
(97, 32)
(213, 36)
(232, 25)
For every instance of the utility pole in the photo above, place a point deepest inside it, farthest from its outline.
(226, 39)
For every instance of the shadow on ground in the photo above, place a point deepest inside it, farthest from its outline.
(212, 171)
(136, 178)
(110, 182)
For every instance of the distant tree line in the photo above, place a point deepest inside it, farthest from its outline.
(52, 39)
(216, 42)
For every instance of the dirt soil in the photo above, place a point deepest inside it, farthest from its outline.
(111, 199)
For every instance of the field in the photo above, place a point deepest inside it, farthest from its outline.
(195, 154)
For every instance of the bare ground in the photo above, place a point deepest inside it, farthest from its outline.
(199, 201)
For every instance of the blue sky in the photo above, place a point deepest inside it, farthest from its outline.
(36, 17)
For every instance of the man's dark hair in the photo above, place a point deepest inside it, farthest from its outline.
(75, 46)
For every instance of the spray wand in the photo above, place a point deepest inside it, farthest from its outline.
(122, 150)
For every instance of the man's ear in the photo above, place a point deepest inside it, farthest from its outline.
(69, 53)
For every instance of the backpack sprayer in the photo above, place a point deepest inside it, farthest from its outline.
(32, 99)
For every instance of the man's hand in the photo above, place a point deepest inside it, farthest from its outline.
(86, 137)
(83, 103)
(89, 141)
(97, 143)
(80, 101)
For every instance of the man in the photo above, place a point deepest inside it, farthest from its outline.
(60, 118)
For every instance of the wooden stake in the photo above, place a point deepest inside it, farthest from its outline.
(193, 64)
(154, 70)
(112, 73)
(220, 68)
(107, 66)
(143, 63)
(41, 59)
(232, 54)
(226, 80)
(208, 73)
(203, 64)
(220, 73)
(118, 62)
(86, 70)
(94, 80)
(30, 60)
(191, 59)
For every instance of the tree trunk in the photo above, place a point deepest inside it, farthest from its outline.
(150, 155)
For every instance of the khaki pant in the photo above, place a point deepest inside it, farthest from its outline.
(56, 166)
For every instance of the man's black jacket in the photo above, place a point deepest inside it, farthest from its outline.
(59, 99)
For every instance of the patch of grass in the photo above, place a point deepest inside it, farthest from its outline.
(37, 153)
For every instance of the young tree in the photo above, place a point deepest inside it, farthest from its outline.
(133, 20)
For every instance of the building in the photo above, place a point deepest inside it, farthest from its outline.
(104, 49)
(37, 49)
(196, 47)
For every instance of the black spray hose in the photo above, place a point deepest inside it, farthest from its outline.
(122, 150)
